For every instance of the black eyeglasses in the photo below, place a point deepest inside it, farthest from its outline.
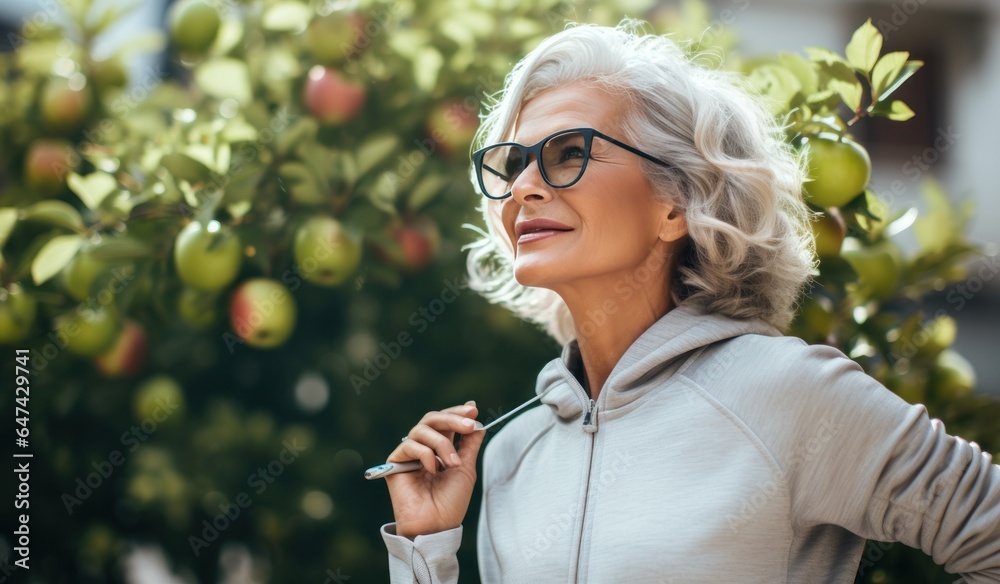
(562, 158)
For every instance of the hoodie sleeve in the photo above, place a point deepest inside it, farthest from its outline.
(870, 462)
(427, 559)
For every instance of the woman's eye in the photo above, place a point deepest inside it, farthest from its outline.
(512, 167)
(571, 153)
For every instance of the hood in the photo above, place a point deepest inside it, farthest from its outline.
(678, 333)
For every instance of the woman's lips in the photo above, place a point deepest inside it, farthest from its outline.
(541, 234)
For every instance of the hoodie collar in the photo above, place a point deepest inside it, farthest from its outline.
(677, 333)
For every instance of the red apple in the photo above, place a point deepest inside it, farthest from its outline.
(325, 252)
(262, 312)
(63, 107)
(415, 240)
(47, 164)
(128, 355)
(330, 97)
(452, 124)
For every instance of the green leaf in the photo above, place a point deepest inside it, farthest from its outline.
(426, 66)
(8, 217)
(849, 92)
(93, 188)
(821, 55)
(225, 78)
(895, 110)
(318, 160)
(909, 69)
(238, 130)
(286, 16)
(777, 83)
(374, 150)
(55, 213)
(940, 226)
(304, 186)
(866, 43)
(886, 71)
(112, 14)
(383, 193)
(114, 249)
(150, 41)
(54, 256)
(183, 167)
(803, 71)
(424, 192)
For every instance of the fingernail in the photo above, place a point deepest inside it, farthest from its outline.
(479, 425)
(468, 421)
(471, 402)
(455, 458)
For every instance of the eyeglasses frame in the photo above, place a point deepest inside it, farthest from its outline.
(536, 149)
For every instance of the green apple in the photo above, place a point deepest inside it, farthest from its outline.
(109, 74)
(79, 274)
(194, 25)
(88, 332)
(816, 317)
(878, 267)
(64, 107)
(325, 252)
(262, 312)
(452, 124)
(127, 355)
(47, 163)
(198, 308)
(17, 314)
(207, 257)
(953, 376)
(335, 37)
(912, 386)
(839, 169)
(829, 232)
(941, 333)
(159, 398)
(330, 97)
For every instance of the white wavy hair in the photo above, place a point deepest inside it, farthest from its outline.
(749, 250)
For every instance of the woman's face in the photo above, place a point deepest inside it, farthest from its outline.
(614, 224)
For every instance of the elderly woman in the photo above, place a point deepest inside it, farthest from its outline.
(648, 213)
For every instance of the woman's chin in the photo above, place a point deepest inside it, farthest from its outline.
(530, 272)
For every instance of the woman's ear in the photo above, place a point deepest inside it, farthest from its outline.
(673, 224)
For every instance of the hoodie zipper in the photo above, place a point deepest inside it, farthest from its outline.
(589, 422)
(590, 427)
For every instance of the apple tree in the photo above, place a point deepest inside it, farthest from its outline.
(237, 282)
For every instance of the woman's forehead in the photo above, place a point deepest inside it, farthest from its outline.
(577, 105)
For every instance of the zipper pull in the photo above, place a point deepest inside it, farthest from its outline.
(589, 420)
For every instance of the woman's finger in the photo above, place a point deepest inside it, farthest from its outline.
(442, 445)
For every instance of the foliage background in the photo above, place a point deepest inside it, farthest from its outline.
(319, 517)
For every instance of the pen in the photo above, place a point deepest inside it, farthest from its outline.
(388, 468)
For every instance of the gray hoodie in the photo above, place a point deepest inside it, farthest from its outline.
(718, 451)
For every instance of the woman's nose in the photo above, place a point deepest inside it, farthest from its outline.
(529, 185)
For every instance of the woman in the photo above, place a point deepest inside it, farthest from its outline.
(648, 212)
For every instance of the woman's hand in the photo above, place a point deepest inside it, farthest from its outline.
(429, 500)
